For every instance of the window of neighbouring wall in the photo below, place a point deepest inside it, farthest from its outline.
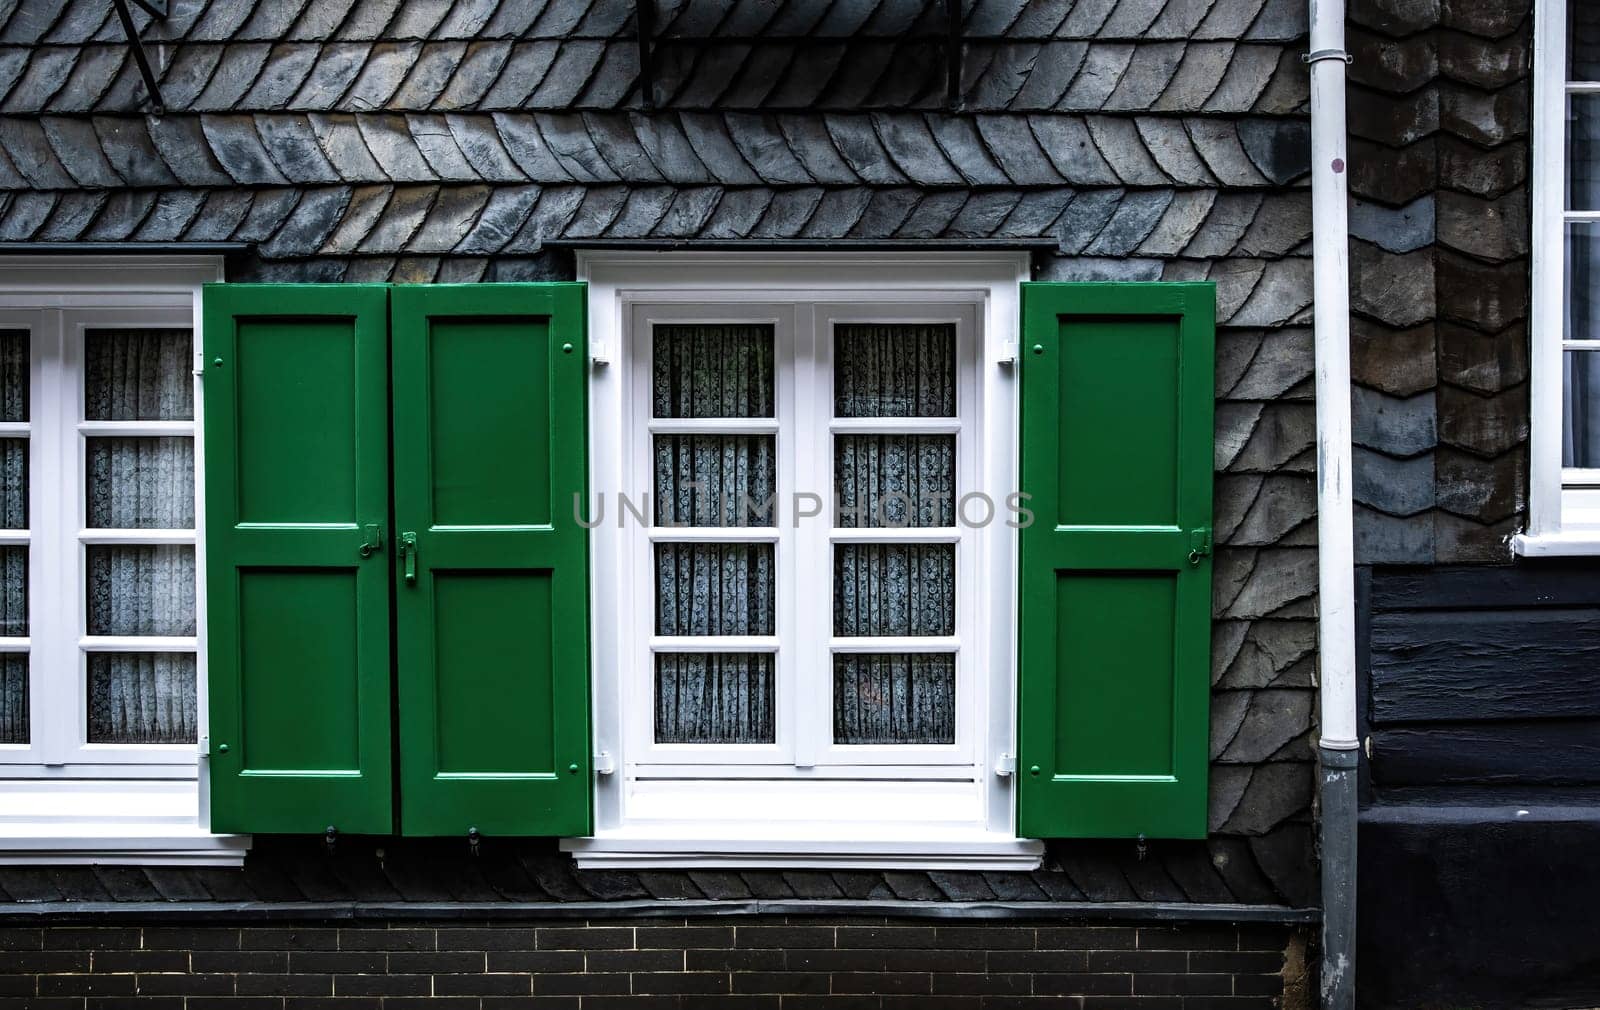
(100, 616)
(1564, 501)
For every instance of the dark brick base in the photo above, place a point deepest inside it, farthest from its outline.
(757, 962)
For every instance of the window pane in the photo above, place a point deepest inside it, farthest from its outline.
(13, 697)
(13, 375)
(141, 483)
(894, 589)
(713, 370)
(714, 698)
(14, 483)
(141, 697)
(715, 480)
(894, 698)
(1583, 152)
(715, 589)
(138, 375)
(1583, 43)
(141, 590)
(895, 480)
(13, 591)
(894, 370)
(1580, 431)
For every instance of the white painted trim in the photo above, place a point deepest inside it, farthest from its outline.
(1545, 392)
(805, 291)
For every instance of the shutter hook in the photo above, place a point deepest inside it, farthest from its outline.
(1141, 848)
(472, 841)
(330, 838)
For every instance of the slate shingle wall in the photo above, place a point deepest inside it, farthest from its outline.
(413, 140)
(1439, 109)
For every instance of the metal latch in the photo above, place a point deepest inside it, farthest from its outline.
(1199, 544)
(1005, 765)
(604, 764)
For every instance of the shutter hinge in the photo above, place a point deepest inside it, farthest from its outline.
(1008, 353)
(199, 362)
(1199, 544)
(599, 352)
(1005, 765)
(603, 764)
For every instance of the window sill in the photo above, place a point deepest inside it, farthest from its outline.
(749, 849)
(149, 823)
(1583, 541)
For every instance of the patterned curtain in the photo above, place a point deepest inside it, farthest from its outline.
(712, 589)
(14, 390)
(894, 370)
(894, 698)
(140, 483)
(895, 480)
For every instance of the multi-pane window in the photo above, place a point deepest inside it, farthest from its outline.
(805, 594)
(1580, 441)
(97, 558)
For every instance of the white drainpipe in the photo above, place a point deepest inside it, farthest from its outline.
(1338, 748)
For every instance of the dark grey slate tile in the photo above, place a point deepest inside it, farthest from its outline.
(416, 21)
(1136, 216)
(235, 73)
(345, 148)
(97, 68)
(736, 214)
(1036, 213)
(837, 213)
(641, 212)
(716, 150)
(450, 218)
(480, 145)
(1178, 225)
(1118, 142)
(855, 139)
(1085, 217)
(1249, 72)
(383, 71)
(336, 68)
(618, 146)
(435, 140)
(570, 143)
(286, 68)
(71, 217)
(188, 73)
(25, 214)
(958, 137)
(268, 210)
(787, 215)
(762, 144)
(1052, 72)
(810, 143)
(934, 214)
(1170, 146)
(388, 138)
(292, 144)
(78, 148)
(574, 64)
(435, 65)
(691, 208)
(502, 216)
(600, 206)
(885, 212)
(1103, 66)
(175, 209)
(669, 149)
(1280, 149)
(524, 70)
(47, 72)
(981, 215)
(911, 146)
(1132, 18)
(120, 216)
(224, 210)
(480, 66)
(318, 21)
(31, 154)
(1150, 69)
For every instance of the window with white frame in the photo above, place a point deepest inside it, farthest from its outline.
(1564, 502)
(100, 679)
(805, 543)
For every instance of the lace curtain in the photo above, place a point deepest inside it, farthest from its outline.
(14, 516)
(140, 482)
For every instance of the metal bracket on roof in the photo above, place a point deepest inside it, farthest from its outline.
(156, 9)
(954, 54)
(644, 22)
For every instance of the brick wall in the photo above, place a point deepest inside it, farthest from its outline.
(752, 962)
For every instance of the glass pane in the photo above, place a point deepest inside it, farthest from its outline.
(13, 375)
(714, 697)
(715, 589)
(1583, 42)
(141, 590)
(895, 480)
(13, 591)
(713, 370)
(13, 483)
(141, 697)
(1583, 152)
(894, 698)
(138, 375)
(894, 589)
(894, 370)
(1580, 429)
(13, 697)
(715, 480)
(141, 483)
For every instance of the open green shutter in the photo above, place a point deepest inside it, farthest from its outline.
(297, 610)
(491, 589)
(1115, 608)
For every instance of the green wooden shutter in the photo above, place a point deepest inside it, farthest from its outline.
(1115, 608)
(297, 611)
(492, 598)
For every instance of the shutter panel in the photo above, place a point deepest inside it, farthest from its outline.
(492, 600)
(297, 613)
(1115, 617)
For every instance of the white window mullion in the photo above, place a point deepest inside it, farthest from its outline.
(808, 665)
(54, 630)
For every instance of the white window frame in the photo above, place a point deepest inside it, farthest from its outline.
(64, 800)
(928, 807)
(1563, 503)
